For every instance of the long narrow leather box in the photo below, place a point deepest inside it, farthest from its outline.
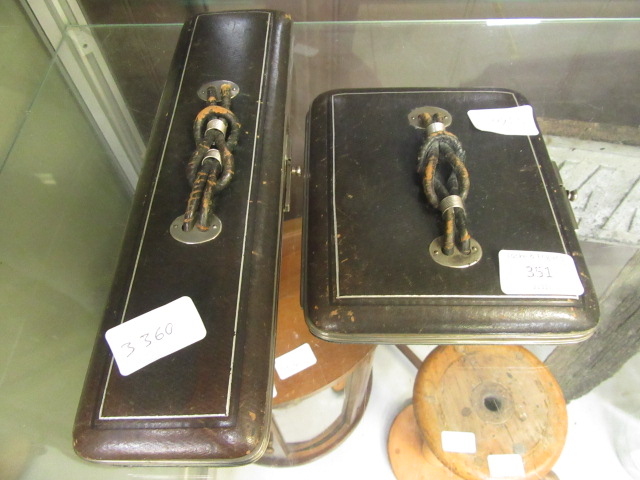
(210, 402)
(370, 275)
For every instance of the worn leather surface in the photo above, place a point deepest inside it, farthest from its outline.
(369, 274)
(210, 402)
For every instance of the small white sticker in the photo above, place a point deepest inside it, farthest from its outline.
(295, 361)
(155, 334)
(458, 442)
(506, 465)
(275, 392)
(538, 273)
(505, 121)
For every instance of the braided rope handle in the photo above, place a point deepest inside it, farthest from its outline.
(445, 181)
(211, 166)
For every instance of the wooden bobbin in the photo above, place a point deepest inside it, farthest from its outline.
(504, 396)
(411, 458)
(339, 366)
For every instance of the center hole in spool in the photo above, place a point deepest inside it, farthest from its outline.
(492, 403)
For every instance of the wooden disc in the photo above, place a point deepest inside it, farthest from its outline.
(334, 360)
(503, 395)
(410, 457)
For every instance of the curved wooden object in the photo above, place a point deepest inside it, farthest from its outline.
(335, 360)
(502, 394)
(411, 458)
(339, 366)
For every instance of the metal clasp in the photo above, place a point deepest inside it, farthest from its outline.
(288, 174)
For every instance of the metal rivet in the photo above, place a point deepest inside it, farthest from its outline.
(457, 259)
(414, 116)
(195, 235)
(202, 91)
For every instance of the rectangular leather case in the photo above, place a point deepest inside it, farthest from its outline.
(369, 276)
(210, 402)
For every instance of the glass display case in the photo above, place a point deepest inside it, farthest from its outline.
(67, 179)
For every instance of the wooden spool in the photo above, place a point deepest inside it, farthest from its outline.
(502, 394)
(411, 458)
(336, 363)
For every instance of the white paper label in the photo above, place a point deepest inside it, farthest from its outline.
(155, 334)
(458, 442)
(506, 465)
(295, 361)
(538, 273)
(505, 121)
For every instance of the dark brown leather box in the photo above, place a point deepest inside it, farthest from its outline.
(210, 402)
(369, 275)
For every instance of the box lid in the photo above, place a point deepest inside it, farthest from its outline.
(369, 275)
(210, 402)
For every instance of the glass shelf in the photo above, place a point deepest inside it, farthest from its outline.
(66, 192)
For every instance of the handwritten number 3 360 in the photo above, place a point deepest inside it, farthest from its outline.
(159, 335)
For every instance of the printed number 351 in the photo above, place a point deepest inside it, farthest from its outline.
(538, 272)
